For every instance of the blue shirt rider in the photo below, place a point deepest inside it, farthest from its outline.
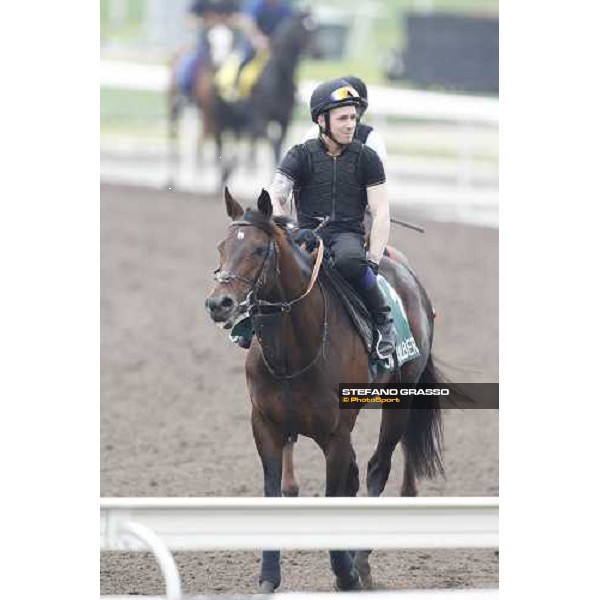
(260, 20)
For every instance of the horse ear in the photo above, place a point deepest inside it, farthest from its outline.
(264, 203)
(234, 209)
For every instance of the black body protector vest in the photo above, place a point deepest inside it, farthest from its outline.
(332, 189)
(362, 132)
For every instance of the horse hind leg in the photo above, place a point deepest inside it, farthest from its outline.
(290, 486)
(277, 142)
(175, 105)
(410, 483)
(392, 428)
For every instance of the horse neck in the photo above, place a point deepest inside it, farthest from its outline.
(293, 280)
(286, 61)
(303, 329)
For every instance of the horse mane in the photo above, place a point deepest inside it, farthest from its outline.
(260, 220)
(279, 229)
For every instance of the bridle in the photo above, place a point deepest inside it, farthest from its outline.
(224, 276)
(252, 302)
(255, 306)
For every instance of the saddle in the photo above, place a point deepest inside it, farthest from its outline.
(360, 317)
(352, 302)
(235, 84)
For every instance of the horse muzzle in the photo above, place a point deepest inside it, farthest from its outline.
(221, 309)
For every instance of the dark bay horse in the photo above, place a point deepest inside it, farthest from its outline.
(272, 98)
(302, 351)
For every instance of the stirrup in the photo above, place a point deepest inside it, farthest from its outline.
(383, 349)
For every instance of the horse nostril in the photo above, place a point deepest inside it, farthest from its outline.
(227, 302)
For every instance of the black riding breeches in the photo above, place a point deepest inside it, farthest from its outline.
(349, 256)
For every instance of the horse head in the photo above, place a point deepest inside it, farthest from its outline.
(294, 35)
(249, 257)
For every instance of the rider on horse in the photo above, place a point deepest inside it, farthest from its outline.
(363, 133)
(257, 21)
(260, 18)
(203, 16)
(334, 178)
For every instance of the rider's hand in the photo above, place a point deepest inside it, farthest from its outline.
(307, 237)
(261, 42)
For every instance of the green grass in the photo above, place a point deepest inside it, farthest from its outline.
(144, 113)
(132, 112)
(320, 70)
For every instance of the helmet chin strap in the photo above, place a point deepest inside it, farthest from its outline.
(327, 130)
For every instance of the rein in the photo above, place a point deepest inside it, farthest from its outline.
(252, 304)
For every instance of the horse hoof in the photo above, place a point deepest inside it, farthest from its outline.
(267, 587)
(367, 581)
(364, 572)
(291, 492)
(351, 584)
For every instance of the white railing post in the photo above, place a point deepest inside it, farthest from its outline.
(163, 556)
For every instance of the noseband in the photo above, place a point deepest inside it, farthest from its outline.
(227, 277)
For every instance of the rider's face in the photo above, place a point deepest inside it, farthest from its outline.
(342, 121)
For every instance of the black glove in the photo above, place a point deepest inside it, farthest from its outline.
(374, 266)
(307, 237)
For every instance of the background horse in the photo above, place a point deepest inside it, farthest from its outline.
(305, 346)
(199, 91)
(272, 98)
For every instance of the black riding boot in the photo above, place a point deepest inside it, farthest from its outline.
(381, 313)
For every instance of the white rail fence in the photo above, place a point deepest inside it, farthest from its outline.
(383, 101)
(444, 165)
(163, 525)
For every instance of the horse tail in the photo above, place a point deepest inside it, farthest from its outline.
(423, 439)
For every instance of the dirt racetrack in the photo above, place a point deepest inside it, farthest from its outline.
(174, 409)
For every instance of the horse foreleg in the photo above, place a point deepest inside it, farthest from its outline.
(342, 480)
(269, 443)
(290, 486)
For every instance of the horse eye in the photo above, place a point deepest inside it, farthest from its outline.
(260, 251)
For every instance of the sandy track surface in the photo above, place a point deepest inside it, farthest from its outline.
(237, 572)
(175, 413)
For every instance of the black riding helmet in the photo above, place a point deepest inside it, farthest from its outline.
(227, 7)
(332, 94)
(222, 7)
(361, 87)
